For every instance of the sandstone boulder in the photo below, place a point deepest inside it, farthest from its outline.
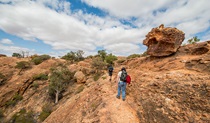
(163, 41)
(80, 77)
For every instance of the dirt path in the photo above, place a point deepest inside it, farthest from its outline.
(115, 110)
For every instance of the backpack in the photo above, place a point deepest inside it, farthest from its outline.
(111, 69)
(123, 76)
(128, 79)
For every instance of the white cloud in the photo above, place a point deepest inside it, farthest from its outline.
(53, 22)
(9, 50)
(123, 49)
(6, 41)
(128, 8)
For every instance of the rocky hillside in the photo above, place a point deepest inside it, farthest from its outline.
(168, 89)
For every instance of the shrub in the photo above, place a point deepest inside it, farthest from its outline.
(110, 59)
(121, 61)
(46, 111)
(23, 65)
(79, 89)
(40, 76)
(18, 55)
(1, 114)
(16, 98)
(2, 79)
(133, 56)
(39, 59)
(193, 40)
(98, 64)
(74, 56)
(35, 85)
(102, 54)
(96, 76)
(23, 117)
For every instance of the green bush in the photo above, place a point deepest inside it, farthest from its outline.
(2, 79)
(39, 59)
(35, 85)
(133, 56)
(23, 65)
(79, 89)
(40, 76)
(46, 111)
(96, 76)
(23, 117)
(121, 61)
(18, 55)
(98, 64)
(193, 40)
(110, 59)
(74, 56)
(1, 114)
(16, 98)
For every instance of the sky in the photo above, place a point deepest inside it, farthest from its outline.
(56, 27)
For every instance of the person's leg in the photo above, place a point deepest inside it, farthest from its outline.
(119, 90)
(124, 91)
(110, 75)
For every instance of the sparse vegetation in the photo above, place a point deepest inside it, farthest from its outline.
(121, 61)
(104, 77)
(46, 111)
(23, 65)
(18, 55)
(59, 79)
(23, 117)
(110, 58)
(98, 64)
(133, 56)
(35, 85)
(193, 40)
(16, 98)
(79, 89)
(1, 114)
(96, 76)
(39, 59)
(2, 79)
(102, 54)
(40, 76)
(74, 56)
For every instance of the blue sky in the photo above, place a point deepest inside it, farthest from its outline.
(56, 27)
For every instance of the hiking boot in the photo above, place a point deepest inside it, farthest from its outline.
(123, 99)
(118, 97)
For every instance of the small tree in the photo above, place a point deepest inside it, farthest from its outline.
(22, 65)
(110, 58)
(59, 79)
(74, 56)
(102, 54)
(193, 40)
(98, 64)
(39, 59)
(18, 55)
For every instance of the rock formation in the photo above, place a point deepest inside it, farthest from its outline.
(163, 41)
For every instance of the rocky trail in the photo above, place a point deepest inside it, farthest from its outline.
(101, 107)
(116, 110)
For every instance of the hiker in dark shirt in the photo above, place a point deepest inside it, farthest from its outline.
(110, 70)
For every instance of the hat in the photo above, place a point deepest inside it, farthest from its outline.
(123, 69)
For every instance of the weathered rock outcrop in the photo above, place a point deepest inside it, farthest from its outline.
(163, 41)
(80, 77)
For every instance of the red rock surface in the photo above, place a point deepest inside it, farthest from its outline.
(163, 41)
